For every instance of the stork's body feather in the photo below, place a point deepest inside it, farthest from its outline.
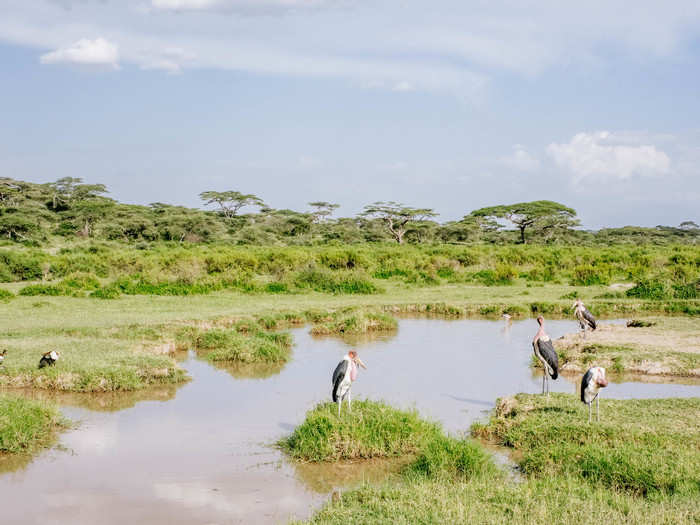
(544, 350)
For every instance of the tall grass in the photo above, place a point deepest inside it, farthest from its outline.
(25, 424)
(372, 430)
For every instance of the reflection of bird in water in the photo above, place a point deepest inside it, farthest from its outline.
(591, 384)
(49, 359)
(585, 318)
(343, 376)
(507, 325)
(544, 350)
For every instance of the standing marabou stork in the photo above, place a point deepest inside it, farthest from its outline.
(592, 382)
(2, 356)
(343, 376)
(585, 318)
(49, 359)
(544, 350)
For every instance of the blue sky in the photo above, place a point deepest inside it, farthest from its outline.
(453, 105)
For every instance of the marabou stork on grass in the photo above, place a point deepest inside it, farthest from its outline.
(49, 359)
(544, 350)
(585, 318)
(592, 382)
(343, 376)
(2, 356)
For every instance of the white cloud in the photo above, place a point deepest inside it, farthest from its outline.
(607, 155)
(521, 160)
(85, 52)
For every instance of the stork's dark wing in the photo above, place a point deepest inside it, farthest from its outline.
(584, 383)
(338, 376)
(588, 316)
(549, 355)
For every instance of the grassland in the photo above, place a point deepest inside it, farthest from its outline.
(629, 468)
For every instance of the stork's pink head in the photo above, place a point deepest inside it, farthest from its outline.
(353, 357)
(540, 320)
(600, 379)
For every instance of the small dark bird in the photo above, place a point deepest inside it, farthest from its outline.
(585, 318)
(2, 356)
(592, 382)
(343, 376)
(544, 350)
(49, 359)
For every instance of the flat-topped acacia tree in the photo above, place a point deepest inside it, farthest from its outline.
(396, 216)
(536, 215)
(230, 202)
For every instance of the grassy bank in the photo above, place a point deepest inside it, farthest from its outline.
(639, 465)
(644, 447)
(666, 346)
(355, 322)
(26, 425)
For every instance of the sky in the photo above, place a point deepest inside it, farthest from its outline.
(450, 104)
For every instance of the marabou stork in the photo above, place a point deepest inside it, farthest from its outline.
(507, 318)
(2, 356)
(544, 350)
(585, 318)
(343, 376)
(49, 359)
(592, 382)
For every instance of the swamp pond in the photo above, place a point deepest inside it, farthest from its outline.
(203, 452)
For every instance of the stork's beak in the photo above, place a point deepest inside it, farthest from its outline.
(602, 382)
(359, 362)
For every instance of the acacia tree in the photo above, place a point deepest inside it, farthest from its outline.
(323, 210)
(230, 202)
(396, 217)
(536, 215)
(68, 191)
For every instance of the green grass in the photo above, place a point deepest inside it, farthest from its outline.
(244, 347)
(643, 447)
(372, 430)
(639, 466)
(355, 322)
(25, 425)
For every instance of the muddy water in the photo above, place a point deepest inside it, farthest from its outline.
(202, 454)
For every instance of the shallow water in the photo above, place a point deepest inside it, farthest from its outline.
(202, 454)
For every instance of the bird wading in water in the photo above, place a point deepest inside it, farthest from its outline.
(585, 318)
(343, 376)
(592, 382)
(544, 350)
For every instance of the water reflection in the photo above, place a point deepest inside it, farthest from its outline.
(205, 455)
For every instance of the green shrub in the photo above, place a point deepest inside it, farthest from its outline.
(108, 292)
(648, 289)
(587, 275)
(250, 346)
(5, 294)
(42, 289)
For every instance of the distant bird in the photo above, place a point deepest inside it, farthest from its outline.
(507, 317)
(585, 318)
(544, 350)
(49, 359)
(343, 376)
(2, 356)
(592, 382)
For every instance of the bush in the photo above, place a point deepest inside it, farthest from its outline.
(5, 294)
(339, 282)
(648, 289)
(355, 323)
(251, 346)
(587, 275)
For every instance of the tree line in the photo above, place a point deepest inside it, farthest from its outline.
(33, 213)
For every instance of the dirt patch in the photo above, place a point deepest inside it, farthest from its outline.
(653, 350)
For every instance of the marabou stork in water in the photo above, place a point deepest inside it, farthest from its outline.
(343, 376)
(49, 359)
(585, 318)
(2, 356)
(544, 350)
(592, 382)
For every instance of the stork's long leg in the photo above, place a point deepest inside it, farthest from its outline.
(340, 402)
(597, 408)
(589, 413)
(349, 401)
(544, 377)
